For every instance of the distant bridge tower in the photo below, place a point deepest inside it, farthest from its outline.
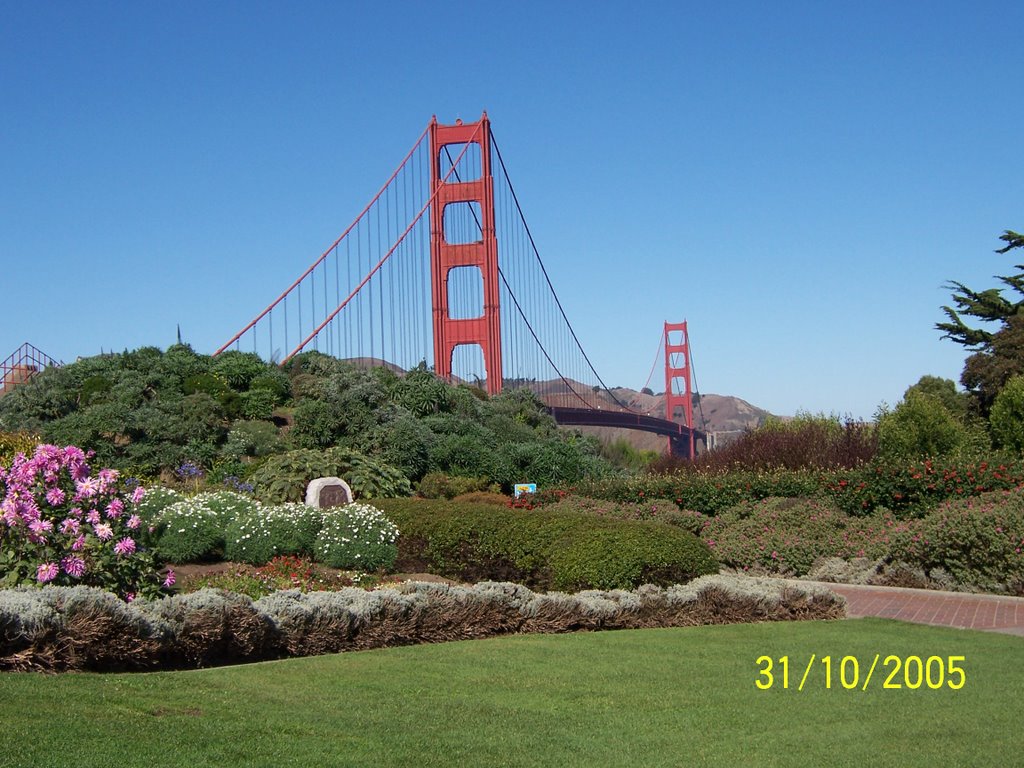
(678, 392)
(445, 255)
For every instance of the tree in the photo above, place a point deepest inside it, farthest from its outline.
(1007, 416)
(997, 354)
(943, 390)
(921, 425)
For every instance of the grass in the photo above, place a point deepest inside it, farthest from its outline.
(649, 697)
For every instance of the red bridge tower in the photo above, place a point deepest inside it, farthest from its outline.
(677, 377)
(485, 330)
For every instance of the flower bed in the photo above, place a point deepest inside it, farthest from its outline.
(62, 524)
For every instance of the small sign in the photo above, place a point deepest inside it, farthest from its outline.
(521, 488)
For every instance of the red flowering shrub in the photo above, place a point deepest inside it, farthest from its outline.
(788, 535)
(914, 486)
(978, 541)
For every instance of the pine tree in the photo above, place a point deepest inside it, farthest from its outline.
(997, 354)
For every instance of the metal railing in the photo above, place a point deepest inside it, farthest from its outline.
(24, 363)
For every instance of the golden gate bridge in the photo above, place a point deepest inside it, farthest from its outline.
(440, 268)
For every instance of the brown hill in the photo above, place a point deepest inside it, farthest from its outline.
(722, 416)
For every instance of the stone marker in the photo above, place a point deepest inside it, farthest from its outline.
(328, 492)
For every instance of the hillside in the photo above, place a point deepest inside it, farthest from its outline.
(723, 415)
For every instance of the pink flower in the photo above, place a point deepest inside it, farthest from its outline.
(134, 522)
(115, 508)
(86, 488)
(137, 494)
(169, 580)
(73, 566)
(70, 526)
(40, 526)
(93, 517)
(10, 516)
(125, 546)
(55, 496)
(129, 596)
(78, 543)
(104, 531)
(47, 572)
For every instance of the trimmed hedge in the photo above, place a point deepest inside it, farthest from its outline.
(76, 628)
(542, 549)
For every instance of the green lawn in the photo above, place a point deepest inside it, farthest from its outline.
(662, 697)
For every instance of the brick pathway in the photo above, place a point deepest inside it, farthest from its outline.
(992, 613)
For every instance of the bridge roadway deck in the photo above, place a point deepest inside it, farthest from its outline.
(679, 434)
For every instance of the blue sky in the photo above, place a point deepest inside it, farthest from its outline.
(797, 180)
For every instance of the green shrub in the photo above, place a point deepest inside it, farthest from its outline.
(922, 426)
(546, 550)
(707, 492)
(285, 529)
(909, 487)
(1007, 415)
(493, 498)
(284, 477)
(238, 369)
(189, 531)
(206, 383)
(403, 443)
(653, 510)
(788, 535)
(13, 443)
(257, 404)
(978, 541)
(252, 438)
(373, 479)
(155, 501)
(438, 485)
(316, 424)
(228, 504)
(356, 536)
(273, 380)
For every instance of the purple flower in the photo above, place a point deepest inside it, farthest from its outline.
(55, 496)
(125, 546)
(93, 517)
(189, 471)
(73, 566)
(115, 508)
(78, 543)
(40, 526)
(169, 580)
(134, 522)
(86, 488)
(137, 494)
(70, 526)
(47, 572)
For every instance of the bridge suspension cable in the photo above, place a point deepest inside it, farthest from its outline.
(568, 346)
(370, 297)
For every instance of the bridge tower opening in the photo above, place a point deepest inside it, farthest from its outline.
(448, 251)
(678, 391)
